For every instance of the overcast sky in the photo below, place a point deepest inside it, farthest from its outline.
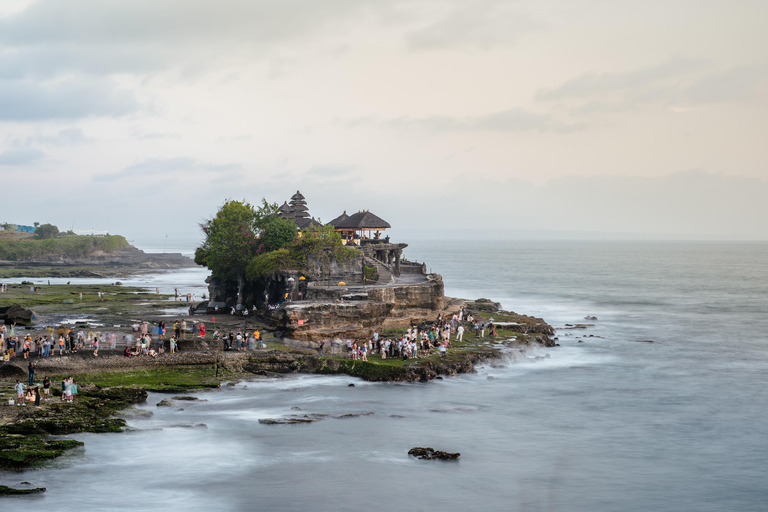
(643, 118)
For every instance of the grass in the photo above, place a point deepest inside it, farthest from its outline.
(170, 379)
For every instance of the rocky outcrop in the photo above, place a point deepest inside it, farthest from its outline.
(485, 305)
(317, 320)
(356, 312)
(15, 314)
(430, 454)
(279, 362)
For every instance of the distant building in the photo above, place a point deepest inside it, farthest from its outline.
(26, 229)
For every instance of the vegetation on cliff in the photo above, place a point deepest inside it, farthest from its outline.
(72, 246)
(236, 234)
(321, 243)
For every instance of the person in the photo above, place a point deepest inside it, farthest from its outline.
(202, 330)
(127, 351)
(19, 393)
(183, 329)
(67, 392)
(46, 387)
(460, 333)
(37, 396)
(73, 390)
(31, 369)
(322, 348)
(96, 347)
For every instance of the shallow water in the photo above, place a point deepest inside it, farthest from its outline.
(606, 424)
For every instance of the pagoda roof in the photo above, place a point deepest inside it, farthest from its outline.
(363, 220)
(297, 196)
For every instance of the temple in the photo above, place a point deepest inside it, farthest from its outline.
(298, 212)
(359, 228)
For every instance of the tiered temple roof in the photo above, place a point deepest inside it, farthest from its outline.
(297, 211)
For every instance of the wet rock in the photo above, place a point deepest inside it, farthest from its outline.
(430, 454)
(10, 491)
(15, 314)
(350, 385)
(164, 403)
(485, 305)
(396, 416)
(294, 408)
(643, 341)
(188, 398)
(286, 421)
(11, 371)
(353, 415)
(593, 318)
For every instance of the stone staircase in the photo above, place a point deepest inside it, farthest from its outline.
(385, 275)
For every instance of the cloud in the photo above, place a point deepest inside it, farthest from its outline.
(65, 137)
(23, 100)
(21, 157)
(331, 171)
(137, 36)
(509, 120)
(480, 24)
(156, 167)
(678, 83)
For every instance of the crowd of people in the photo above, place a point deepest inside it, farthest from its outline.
(31, 393)
(418, 341)
(65, 341)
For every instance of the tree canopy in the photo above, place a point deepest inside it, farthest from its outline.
(234, 235)
(46, 231)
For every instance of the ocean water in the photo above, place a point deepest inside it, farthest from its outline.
(607, 424)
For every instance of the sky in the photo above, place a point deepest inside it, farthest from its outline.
(450, 118)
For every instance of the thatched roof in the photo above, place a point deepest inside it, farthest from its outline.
(341, 218)
(297, 197)
(306, 222)
(363, 220)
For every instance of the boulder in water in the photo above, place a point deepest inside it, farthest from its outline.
(430, 454)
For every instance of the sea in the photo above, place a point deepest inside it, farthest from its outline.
(661, 405)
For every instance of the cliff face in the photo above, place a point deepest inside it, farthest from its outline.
(358, 312)
(318, 320)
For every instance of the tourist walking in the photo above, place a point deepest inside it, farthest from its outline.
(19, 387)
(96, 347)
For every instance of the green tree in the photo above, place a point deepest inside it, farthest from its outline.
(46, 231)
(232, 239)
(277, 232)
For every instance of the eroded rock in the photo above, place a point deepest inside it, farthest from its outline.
(431, 454)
